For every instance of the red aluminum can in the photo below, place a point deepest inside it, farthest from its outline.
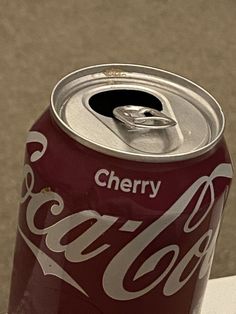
(125, 180)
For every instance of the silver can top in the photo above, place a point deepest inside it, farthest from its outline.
(137, 112)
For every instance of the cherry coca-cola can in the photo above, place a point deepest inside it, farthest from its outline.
(125, 180)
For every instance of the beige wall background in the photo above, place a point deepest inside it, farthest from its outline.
(40, 41)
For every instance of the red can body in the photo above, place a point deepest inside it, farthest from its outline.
(96, 236)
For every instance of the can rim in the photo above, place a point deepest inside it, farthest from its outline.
(129, 155)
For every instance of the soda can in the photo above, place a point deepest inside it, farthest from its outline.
(125, 180)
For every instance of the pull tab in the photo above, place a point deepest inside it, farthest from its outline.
(139, 117)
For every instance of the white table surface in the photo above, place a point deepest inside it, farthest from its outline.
(220, 296)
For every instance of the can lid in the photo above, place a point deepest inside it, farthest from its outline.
(137, 112)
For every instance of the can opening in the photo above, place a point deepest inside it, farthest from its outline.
(105, 102)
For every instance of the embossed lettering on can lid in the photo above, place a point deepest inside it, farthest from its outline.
(137, 113)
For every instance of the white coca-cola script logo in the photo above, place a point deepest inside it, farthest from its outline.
(118, 267)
